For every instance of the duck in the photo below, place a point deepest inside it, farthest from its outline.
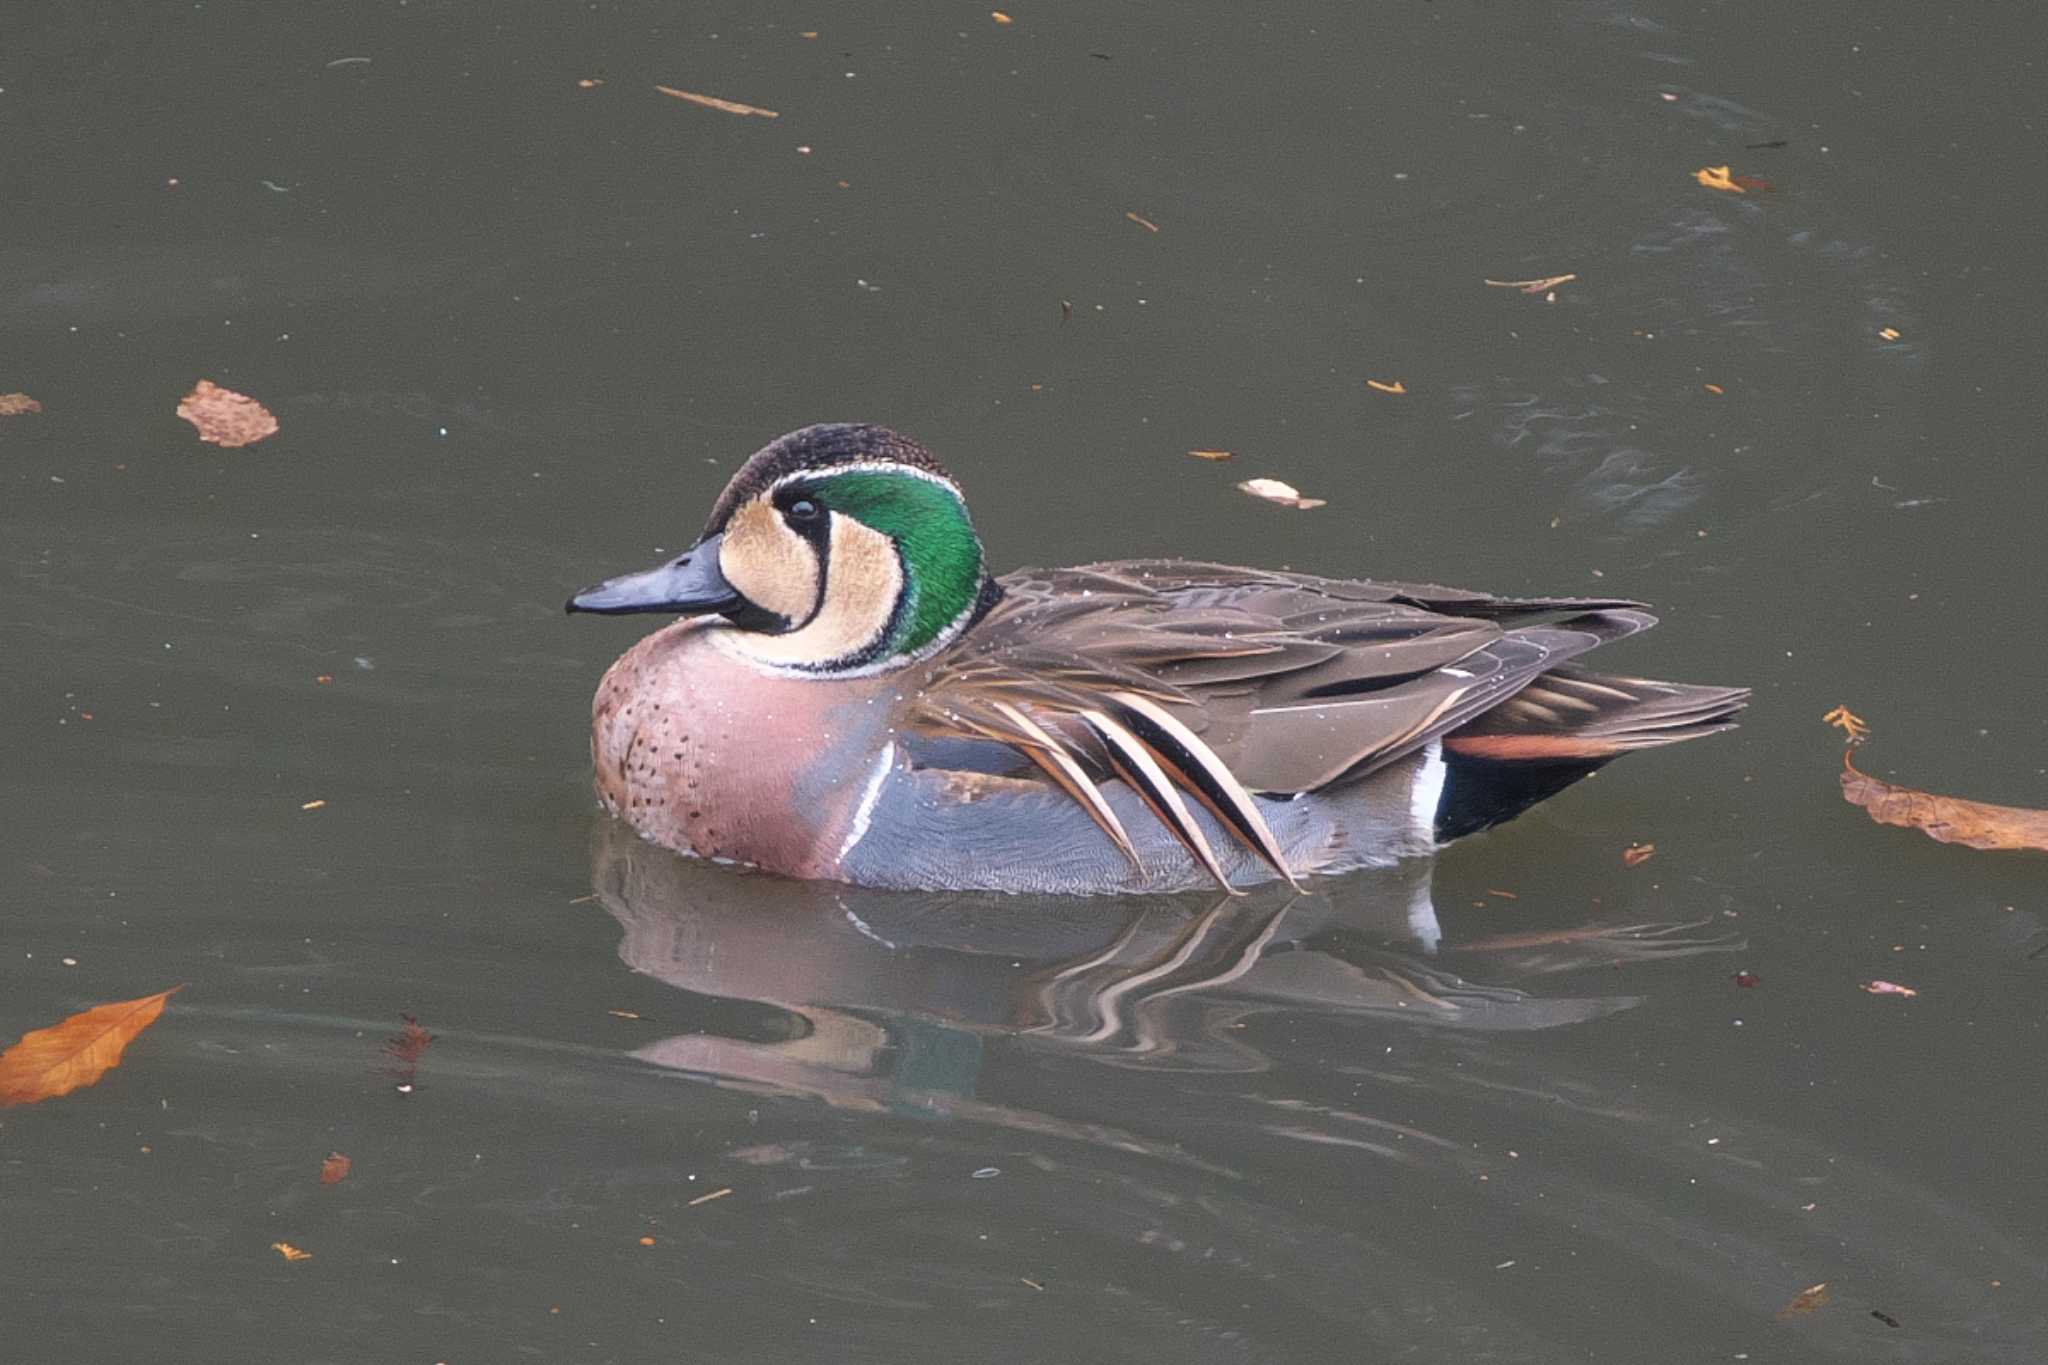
(849, 694)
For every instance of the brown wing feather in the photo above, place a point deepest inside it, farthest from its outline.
(1292, 682)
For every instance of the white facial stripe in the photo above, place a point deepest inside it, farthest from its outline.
(869, 467)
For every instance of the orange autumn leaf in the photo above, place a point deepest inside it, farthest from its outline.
(1950, 819)
(290, 1252)
(1395, 386)
(1717, 178)
(224, 417)
(335, 1169)
(712, 102)
(1805, 1301)
(75, 1053)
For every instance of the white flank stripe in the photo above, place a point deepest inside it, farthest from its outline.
(865, 811)
(1427, 792)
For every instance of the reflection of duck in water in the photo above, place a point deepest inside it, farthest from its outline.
(861, 701)
(885, 1000)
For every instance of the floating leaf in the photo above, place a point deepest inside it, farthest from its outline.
(18, 405)
(1143, 222)
(1889, 988)
(1635, 855)
(1210, 454)
(224, 417)
(1396, 386)
(1717, 178)
(712, 102)
(1888, 333)
(335, 1169)
(1849, 723)
(1805, 1301)
(290, 1252)
(1286, 494)
(75, 1053)
(1950, 819)
(1000, 17)
(1542, 286)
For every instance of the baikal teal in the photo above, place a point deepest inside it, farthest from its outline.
(851, 695)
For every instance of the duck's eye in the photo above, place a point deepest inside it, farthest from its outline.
(804, 510)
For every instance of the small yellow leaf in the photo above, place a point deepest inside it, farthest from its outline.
(290, 1252)
(1000, 17)
(1713, 388)
(1395, 387)
(1718, 178)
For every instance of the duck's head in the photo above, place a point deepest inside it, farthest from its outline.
(838, 549)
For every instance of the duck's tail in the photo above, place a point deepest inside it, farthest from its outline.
(1564, 725)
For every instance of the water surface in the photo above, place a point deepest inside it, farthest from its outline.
(518, 329)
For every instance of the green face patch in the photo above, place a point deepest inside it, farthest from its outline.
(942, 566)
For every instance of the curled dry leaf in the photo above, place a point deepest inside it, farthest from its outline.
(335, 1169)
(290, 1252)
(1635, 855)
(1286, 494)
(1889, 988)
(1951, 819)
(1210, 454)
(1805, 1301)
(1718, 178)
(18, 405)
(1542, 286)
(224, 417)
(712, 102)
(75, 1053)
(1385, 386)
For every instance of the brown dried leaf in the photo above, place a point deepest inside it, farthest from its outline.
(1542, 286)
(224, 417)
(1635, 855)
(75, 1053)
(290, 1252)
(335, 1169)
(712, 102)
(1286, 494)
(1951, 819)
(1210, 454)
(1805, 1301)
(18, 405)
